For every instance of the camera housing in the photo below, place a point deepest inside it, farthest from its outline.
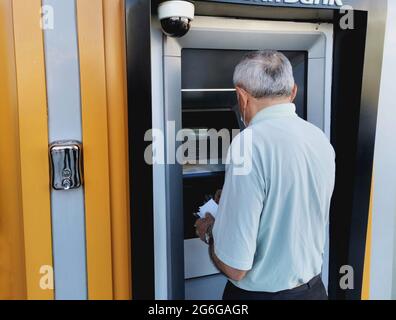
(176, 17)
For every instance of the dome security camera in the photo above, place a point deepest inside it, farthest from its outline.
(176, 17)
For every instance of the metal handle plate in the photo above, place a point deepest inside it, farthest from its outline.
(66, 165)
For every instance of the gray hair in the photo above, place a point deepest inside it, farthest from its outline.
(265, 74)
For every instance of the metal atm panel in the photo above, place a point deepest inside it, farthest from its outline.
(183, 98)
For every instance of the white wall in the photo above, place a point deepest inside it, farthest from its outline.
(383, 272)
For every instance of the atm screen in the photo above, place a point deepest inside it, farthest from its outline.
(209, 102)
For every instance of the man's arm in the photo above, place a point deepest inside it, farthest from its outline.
(231, 273)
(204, 227)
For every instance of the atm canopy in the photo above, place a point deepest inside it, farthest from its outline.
(292, 10)
(317, 4)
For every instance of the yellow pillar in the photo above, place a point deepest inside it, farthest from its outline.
(12, 252)
(115, 49)
(96, 148)
(33, 142)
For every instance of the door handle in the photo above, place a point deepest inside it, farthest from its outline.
(66, 165)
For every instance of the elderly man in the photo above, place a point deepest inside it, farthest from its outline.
(270, 229)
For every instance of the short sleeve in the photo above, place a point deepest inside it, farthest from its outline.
(238, 218)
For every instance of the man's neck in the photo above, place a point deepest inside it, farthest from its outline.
(261, 104)
(266, 103)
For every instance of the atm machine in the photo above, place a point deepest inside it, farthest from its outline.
(186, 87)
(197, 72)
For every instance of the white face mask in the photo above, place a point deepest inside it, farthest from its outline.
(241, 116)
(243, 119)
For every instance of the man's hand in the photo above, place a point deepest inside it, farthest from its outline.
(217, 196)
(204, 227)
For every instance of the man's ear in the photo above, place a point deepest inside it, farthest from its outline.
(294, 93)
(242, 97)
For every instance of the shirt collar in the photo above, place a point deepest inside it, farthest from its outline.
(275, 111)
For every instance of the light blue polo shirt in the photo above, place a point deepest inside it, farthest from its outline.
(272, 220)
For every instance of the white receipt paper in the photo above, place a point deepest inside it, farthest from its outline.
(209, 207)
